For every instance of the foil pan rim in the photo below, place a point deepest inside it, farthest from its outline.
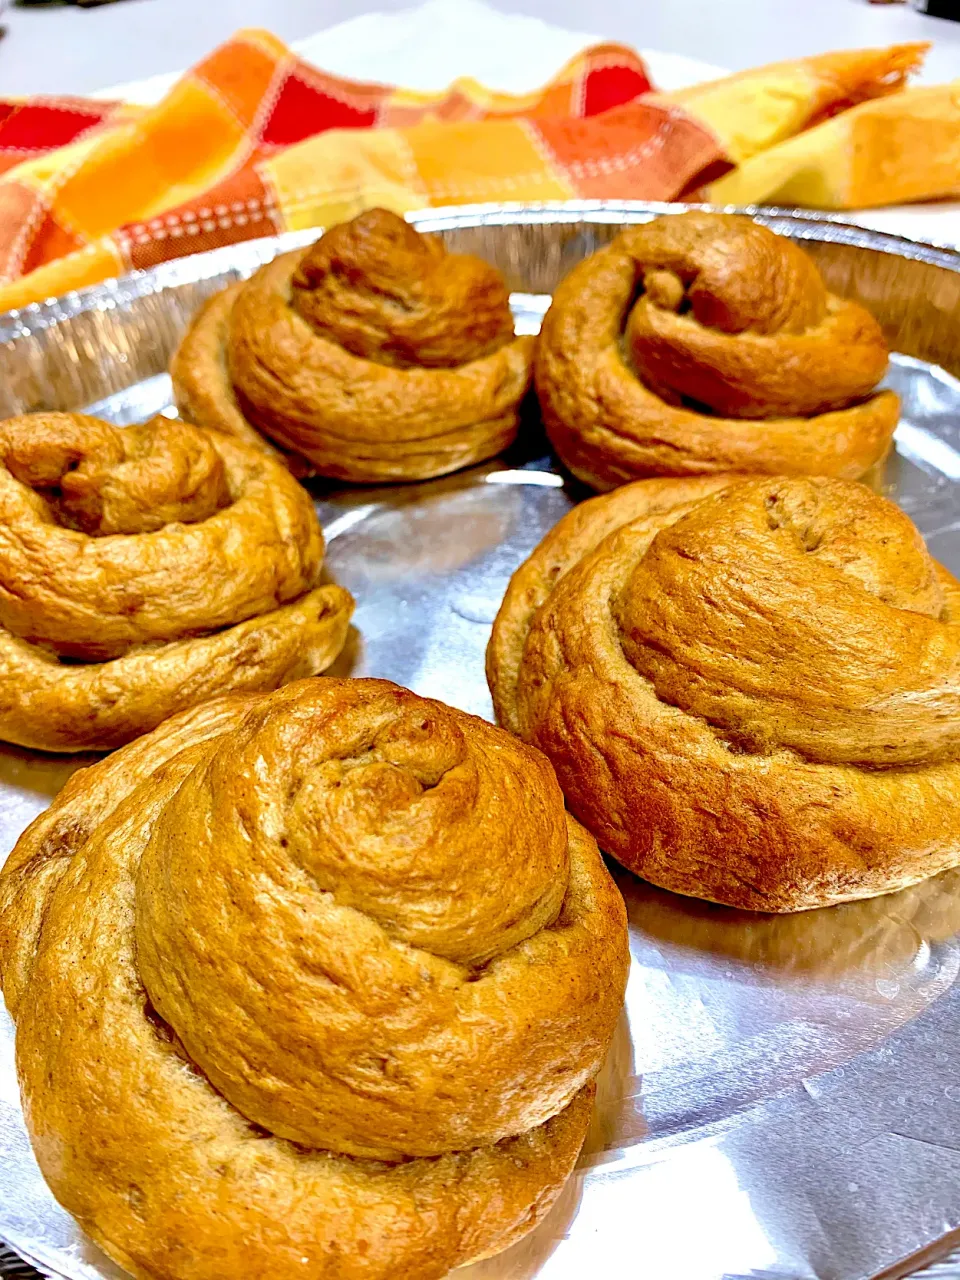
(805, 224)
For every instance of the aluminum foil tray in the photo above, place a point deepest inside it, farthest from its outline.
(782, 1099)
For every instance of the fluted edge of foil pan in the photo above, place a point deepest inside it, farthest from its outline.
(89, 344)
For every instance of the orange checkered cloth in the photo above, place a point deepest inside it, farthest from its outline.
(253, 141)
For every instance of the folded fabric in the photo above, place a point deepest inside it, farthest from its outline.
(33, 127)
(760, 108)
(132, 187)
(906, 147)
(253, 141)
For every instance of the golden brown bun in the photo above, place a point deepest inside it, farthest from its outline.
(144, 570)
(316, 981)
(705, 343)
(750, 693)
(374, 354)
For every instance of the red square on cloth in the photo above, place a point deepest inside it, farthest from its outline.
(608, 87)
(303, 110)
(41, 126)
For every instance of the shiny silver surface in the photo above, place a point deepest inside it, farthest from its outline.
(782, 1099)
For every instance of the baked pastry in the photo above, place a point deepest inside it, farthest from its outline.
(373, 355)
(748, 687)
(704, 342)
(144, 570)
(315, 981)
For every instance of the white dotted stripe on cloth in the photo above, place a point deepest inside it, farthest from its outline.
(468, 188)
(314, 80)
(76, 106)
(88, 250)
(410, 174)
(239, 214)
(604, 166)
(611, 62)
(271, 201)
(540, 145)
(581, 94)
(223, 217)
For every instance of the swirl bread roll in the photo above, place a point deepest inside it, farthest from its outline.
(374, 355)
(315, 981)
(705, 343)
(749, 687)
(145, 569)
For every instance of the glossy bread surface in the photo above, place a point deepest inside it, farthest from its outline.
(145, 570)
(748, 686)
(705, 343)
(318, 979)
(374, 355)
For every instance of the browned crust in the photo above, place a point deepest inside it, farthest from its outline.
(610, 428)
(251, 364)
(151, 622)
(663, 790)
(98, 706)
(171, 1180)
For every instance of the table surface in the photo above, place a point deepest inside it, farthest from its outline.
(63, 49)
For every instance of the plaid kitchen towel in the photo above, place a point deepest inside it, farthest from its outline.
(253, 141)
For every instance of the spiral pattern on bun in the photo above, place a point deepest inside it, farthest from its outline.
(749, 687)
(144, 569)
(373, 355)
(703, 343)
(337, 969)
